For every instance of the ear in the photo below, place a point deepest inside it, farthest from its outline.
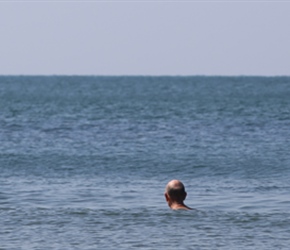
(185, 194)
(166, 196)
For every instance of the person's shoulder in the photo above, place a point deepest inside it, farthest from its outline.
(184, 207)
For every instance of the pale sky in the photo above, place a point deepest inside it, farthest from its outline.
(145, 37)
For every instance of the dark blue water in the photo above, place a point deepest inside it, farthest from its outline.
(84, 162)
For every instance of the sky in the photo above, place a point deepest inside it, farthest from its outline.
(145, 37)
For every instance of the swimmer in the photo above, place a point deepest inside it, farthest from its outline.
(175, 195)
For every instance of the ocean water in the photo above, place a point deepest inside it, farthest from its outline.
(84, 162)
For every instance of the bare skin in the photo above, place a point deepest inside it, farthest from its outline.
(175, 195)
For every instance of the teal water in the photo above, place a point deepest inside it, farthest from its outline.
(84, 162)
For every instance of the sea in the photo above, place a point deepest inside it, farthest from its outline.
(84, 161)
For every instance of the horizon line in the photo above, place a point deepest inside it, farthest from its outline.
(140, 75)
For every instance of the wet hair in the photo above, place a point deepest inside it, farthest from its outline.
(176, 192)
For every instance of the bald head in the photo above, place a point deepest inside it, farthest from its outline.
(175, 195)
(175, 190)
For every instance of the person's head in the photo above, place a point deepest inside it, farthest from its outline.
(175, 192)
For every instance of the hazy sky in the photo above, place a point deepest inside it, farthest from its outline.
(145, 37)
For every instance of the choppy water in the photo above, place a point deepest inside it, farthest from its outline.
(84, 162)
